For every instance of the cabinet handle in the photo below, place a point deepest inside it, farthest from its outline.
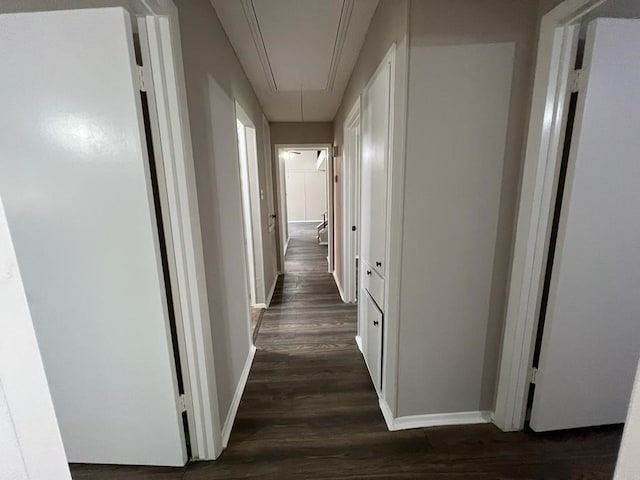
(375, 323)
(368, 272)
(378, 264)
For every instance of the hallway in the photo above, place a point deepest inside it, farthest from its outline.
(309, 410)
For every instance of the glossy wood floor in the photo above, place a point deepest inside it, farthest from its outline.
(309, 410)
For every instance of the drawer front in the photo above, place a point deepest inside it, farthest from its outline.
(373, 283)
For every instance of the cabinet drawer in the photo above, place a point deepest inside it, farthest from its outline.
(373, 283)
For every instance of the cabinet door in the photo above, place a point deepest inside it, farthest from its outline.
(372, 347)
(375, 152)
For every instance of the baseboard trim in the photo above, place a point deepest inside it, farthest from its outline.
(259, 305)
(335, 278)
(235, 402)
(271, 292)
(386, 413)
(286, 245)
(432, 420)
(359, 343)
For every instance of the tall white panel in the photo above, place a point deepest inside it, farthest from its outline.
(375, 153)
(591, 339)
(75, 181)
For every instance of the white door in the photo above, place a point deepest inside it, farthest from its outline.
(74, 175)
(375, 145)
(591, 338)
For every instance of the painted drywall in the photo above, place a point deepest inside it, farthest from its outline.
(30, 443)
(306, 187)
(464, 158)
(214, 79)
(388, 26)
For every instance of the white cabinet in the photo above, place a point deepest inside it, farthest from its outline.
(372, 349)
(375, 152)
(376, 100)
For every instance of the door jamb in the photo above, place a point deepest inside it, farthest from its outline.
(535, 209)
(167, 75)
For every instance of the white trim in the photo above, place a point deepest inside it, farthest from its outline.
(286, 247)
(272, 291)
(440, 419)
(432, 420)
(312, 222)
(359, 343)
(398, 55)
(339, 285)
(535, 210)
(184, 227)
(386, 413)
(237, 396)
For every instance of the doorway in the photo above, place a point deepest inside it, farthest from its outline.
(305, 193)
(570, 324)
(251, 197)
(351, 203)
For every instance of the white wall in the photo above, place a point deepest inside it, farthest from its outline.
(30, 443)
(214, 78)
(306, 187)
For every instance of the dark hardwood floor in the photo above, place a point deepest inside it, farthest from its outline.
(309, 410)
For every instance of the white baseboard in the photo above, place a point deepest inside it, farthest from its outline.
(386, 413)
(432, 420)
(235, 402)
(271, 291)
(335, 277)
(286, 245)
(259, 305)
(359, 343)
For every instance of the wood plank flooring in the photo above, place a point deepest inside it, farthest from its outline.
(309, 410)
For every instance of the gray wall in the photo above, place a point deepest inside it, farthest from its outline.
(459, 215)
(214, 78)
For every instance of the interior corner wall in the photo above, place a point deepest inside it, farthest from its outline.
(388, 26)
(459, 215)
(214, 79)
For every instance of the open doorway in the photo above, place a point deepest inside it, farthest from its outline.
(248, 165)
(305, 192)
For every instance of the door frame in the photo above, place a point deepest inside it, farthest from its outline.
(253, 238)
(281, 200)
(351, 200)
(535, 211)
(166, 72)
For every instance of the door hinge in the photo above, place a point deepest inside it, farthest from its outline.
(182, 403)
(575, 80)
(142, 79)
(533, 375)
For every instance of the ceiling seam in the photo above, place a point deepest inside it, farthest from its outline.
(258, 40)
(341, 35)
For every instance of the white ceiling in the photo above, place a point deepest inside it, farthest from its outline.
(298, 54)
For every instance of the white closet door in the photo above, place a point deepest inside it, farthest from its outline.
(375, 146)
(591, 339)
(74, 175)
